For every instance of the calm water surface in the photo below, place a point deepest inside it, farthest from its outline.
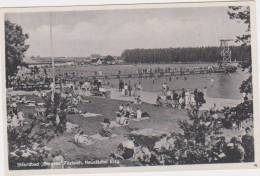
(219, 85)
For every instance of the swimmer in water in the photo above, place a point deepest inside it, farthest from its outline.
(211, 82)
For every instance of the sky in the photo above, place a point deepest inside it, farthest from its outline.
(82, 33)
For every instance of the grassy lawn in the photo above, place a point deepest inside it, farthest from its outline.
(162, 119)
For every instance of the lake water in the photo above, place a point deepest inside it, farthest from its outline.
(219, 85)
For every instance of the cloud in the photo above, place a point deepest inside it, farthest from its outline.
(111, 32)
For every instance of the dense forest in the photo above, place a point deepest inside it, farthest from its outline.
(167, 55)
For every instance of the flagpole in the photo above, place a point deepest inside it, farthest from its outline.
(52, 59)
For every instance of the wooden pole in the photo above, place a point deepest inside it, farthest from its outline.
(52, 59)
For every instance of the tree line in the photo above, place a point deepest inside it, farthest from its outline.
(191, 54)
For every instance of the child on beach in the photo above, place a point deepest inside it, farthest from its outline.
(138, 100)
(158, 101)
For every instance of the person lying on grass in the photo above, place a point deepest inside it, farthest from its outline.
(106, 129)
(81, 138)
(125, 150)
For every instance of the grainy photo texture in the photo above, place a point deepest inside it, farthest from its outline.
(129, 87)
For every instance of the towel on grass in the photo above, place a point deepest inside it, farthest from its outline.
(40, 104)
(88, 114)
(31, 105)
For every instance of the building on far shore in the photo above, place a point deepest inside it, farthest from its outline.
(46, 61)
(70, 61)
(36, 61)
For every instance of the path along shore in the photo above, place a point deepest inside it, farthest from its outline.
(150, 97)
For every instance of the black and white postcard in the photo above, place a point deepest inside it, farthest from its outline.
(140, 86)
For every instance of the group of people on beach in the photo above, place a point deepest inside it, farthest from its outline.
(181, 100)
(125, 113)
(127, 89)
(29, 76)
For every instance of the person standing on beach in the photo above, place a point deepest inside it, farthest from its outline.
(138, 113)
(196, 98)
(187, 99)
(121, 85)
(205, 91)
(175, 99)
(164, 88)
(139, 88)
(169, 96)
(129, 89)
(134, 89)
(125, 89)
(182, 98)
